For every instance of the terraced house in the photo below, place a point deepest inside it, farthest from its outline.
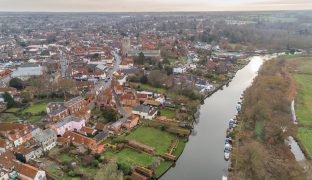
(59, 110)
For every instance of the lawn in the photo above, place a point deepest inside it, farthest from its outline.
(180, 147)
(35, 119)
(153, 137)
(36, 108)
(304, 135)
(131, 157)
(12, 110)
(168, 113)
(304, 99)
(147, 87)
(163, 167)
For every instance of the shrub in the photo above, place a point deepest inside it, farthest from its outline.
(125, 168)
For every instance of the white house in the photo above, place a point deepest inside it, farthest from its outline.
(179, 70)
(145, 112)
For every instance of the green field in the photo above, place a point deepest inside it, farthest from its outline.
(131, 157)
(153, 137)
(304, 99)
(36, 108)
(303, 76)
(304, 135)
(168, 113)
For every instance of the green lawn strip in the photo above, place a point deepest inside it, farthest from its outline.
(36, 108)
(153, 137)
(35, 119)
(12, 110)
(163, 167)
(168, 113)
(150, 88)
(304, 135)
(180, 147)
(259, 129)
(304, 99)
(131, 157)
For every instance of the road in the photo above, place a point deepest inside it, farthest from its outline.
(101, 84)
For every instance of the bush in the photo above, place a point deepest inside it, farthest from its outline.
(125, 168)
(71, 173)
(95, 163)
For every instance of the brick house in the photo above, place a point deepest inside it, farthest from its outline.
(59, 110)
(78, 140)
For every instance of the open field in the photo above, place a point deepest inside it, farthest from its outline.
(304, 99)
(304, 135)
(131, 157)
(153, 137)
(302, 73)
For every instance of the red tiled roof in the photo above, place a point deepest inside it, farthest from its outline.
(78, 139)
(87, 130)
(25, 169)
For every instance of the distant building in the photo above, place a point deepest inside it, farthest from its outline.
(147, 53)
(126, 45)
(28, 70)
(179, 70)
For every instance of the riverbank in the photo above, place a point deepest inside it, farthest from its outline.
(241, 65)
(259, 150)
(204, 150)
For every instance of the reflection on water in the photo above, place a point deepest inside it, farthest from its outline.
(255, 64)
(295, 149)
(202, 157)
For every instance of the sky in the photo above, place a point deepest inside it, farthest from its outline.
(151, 5)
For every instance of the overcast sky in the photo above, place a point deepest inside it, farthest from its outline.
(152, 5)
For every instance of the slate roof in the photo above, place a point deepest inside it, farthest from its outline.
(74, 100)
(45, 134)
(142, 108)
(67, 120)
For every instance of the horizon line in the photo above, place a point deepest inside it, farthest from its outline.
(173, 11)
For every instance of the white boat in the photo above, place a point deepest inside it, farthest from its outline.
(224, 177)
(227, 155)
(227, 147)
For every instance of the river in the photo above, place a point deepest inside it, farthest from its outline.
(202, 158)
